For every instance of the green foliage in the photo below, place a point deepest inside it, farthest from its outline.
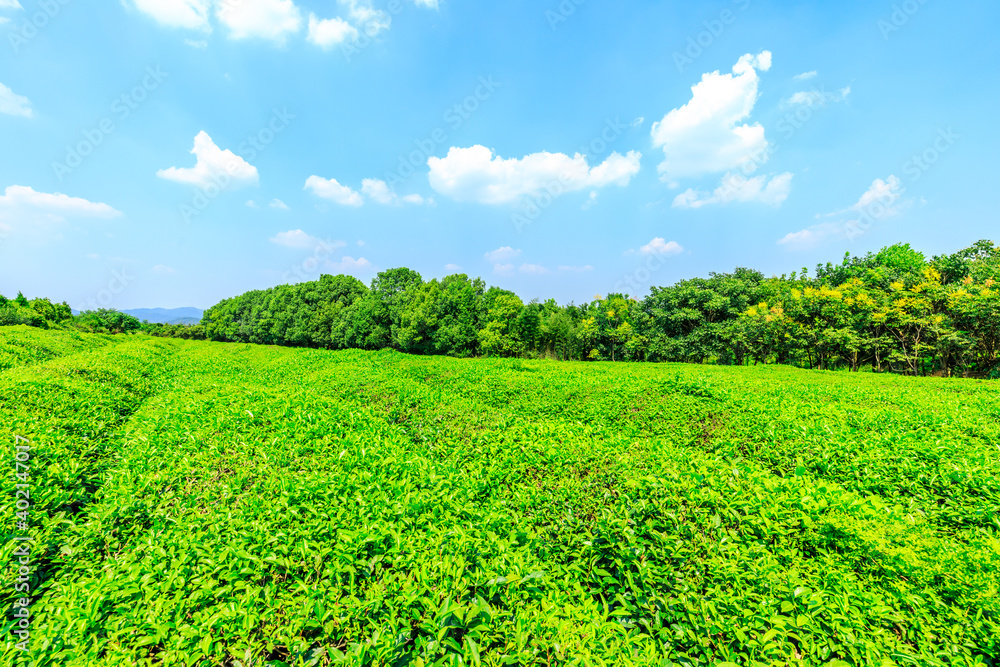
(891, 311)
(107, 321)
(202, 504)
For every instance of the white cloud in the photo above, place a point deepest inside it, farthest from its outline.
(214, 166)
(811, 237)
(417, 200)
(333, 191)
(33, 214)
(576, 269)
(805, 76)
(164, 270)
(368, 20)
(191, 14)
(361, 17)
(4, 19)
(349, 265)
(10, 4)
(327, 33)
(452, 268)
(252, 204)
(504, 254)
(705, 136)
(278, 204)
(13, 104)
(739, 188)
(591, 200)
(817, 98)
(378, 191)
(503, 269)
(882, 200)
(533, 269)
(474, 174)
(19, 199)
(297, 238)
(430, 4)
(196, 43)
(660, 246)
(261, 19)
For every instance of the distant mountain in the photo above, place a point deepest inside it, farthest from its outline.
(167, 315)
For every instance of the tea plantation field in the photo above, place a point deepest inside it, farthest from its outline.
(208, 504)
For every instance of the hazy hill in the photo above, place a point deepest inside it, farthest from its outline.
(167, 315)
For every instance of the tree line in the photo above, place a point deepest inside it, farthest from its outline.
(891, 311)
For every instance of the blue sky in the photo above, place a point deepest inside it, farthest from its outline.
(556, 149)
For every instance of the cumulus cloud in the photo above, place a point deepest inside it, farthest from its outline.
(361, 18)
(13, 104)
(474, 174)
(270, 20)
(707, 135)
(28, 212)
(883, 199)
(378, 191)
(504, 254)
(214, 166)
(332, 190)
(12, 4)
(817, 98)
(190, 14)
(328, 33)
(296, 238)
(349, 266)
(739, 188)
(366, 18)
(55, 206)
(659, 246)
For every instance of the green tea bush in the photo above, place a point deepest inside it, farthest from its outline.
(210, 504)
